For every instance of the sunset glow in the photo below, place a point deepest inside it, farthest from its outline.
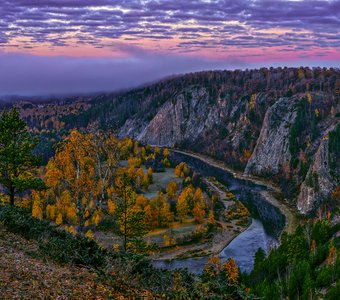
(227, 33)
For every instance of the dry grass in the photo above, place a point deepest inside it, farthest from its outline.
(23, 275)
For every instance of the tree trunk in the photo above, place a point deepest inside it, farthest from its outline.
(11, 196)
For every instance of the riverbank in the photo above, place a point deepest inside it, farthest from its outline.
(226, 233)
(272, 195)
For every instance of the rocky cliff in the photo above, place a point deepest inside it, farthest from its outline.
(320, 180)
(272, 149)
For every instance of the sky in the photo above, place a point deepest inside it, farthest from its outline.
(82, 46)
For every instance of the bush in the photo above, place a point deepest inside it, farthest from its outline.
(324, 277)
(334, 292)
(54, 242)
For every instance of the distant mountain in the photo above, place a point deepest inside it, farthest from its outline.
(279, 123)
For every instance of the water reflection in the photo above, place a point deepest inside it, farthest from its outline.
(242, 249)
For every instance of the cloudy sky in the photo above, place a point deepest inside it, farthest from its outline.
(81, 46)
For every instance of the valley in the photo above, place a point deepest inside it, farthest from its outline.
(170, 150)
(196, 178)
(279, 124)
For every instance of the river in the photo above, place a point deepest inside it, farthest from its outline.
(267, 223)
(242, 249)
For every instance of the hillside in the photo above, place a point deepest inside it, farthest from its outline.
(25, 275)
(275, 123)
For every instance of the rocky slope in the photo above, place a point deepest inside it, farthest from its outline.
(272, 148)
(320, 178)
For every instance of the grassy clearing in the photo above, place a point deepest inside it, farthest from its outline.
(156, 236)
(160, 182)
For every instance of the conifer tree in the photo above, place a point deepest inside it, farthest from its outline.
(130, 221)
(18, 163)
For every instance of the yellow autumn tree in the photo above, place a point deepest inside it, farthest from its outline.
(80, 173)
(227, 271)
(231, 271)
(211, 218)
(166, 215)
(182, 206)
(181, 170)
(188, 193)
(89, 234)
(252, 102)
(135, 148)
(37, 210)
(59, 220)
(199, 206)
(150, 175)
(141, 202)
(51, 212)
(148, 215)
(166, 153)
(139, 181)
(198, 197)
(134, 162)
(157, 150)
(332, 255)
(172, 189)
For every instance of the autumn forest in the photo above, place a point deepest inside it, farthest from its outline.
(113, 207)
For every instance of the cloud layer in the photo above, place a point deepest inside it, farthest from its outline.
(168, 25)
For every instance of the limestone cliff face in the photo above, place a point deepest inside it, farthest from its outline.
(272, 148)
(132, 128)
(181, 119)
(204, 124)
(318, 183)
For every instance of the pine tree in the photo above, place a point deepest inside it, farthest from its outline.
(18, 164)
(130, 221)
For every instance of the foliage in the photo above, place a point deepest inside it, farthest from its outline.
(131, 223)
(79, 176)
(305, 263)
(299, 272)
(54, 243)
(18, 164)
(237, 211)
(222, 279)
(181, 170)
(334, 150)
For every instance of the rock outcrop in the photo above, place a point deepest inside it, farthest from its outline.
(182, 119)
(272, 148)
(319, 182)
